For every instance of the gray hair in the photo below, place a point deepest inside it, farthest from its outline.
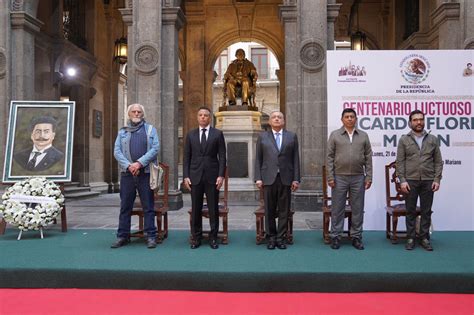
(276, 111)
(129, 108)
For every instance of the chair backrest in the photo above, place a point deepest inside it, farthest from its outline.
(224, 198)
(393, 190)
(326, 197)
(161, 196)
(261, 200)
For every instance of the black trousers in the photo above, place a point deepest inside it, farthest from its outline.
(277, 199)
(197, 197)
(421, 188)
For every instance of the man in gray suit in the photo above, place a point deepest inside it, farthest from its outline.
(277, 171)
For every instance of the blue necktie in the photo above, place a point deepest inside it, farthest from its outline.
(278, 141)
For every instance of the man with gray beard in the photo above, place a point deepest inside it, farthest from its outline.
(136, 146)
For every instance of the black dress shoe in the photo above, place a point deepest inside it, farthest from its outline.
(357, 243)
(281, 245)
(425, 243)
(120, 242)
(335, 243)
(195, 244)
(410, 245)
(271, 245)
(213, 244)
(151, 243)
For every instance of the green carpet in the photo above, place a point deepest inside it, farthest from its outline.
(83, 259)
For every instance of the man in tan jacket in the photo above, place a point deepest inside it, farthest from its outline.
(419, 167)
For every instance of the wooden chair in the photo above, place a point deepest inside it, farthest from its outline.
(260, 222)
(63, 212)
(223, 233)
(393, 194)
(3, 226)
(327, 204)
(63, 220)
(161, 209)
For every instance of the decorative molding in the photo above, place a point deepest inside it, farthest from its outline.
(17, 5)
(245, 18)
(469, 43)
(312, 55)
(171, 3)
(333, 11)
(173, 15)
(146, 58)
(446, 11)
(22, 20)
(288, 12)
(3, 63)
(127, 16)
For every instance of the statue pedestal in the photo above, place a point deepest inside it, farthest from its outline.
(241, 129)
(231, 108)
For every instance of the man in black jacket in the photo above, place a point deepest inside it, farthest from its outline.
(203, 172)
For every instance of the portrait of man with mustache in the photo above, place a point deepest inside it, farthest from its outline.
(43, 154)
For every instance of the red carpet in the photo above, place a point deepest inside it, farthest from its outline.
(75, 301)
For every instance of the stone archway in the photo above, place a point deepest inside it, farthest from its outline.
(269, 93)
(225, 40)
(210, 28)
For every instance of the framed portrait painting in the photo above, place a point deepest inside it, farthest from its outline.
(39, 141)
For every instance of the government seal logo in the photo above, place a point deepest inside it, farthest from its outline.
(414, 68)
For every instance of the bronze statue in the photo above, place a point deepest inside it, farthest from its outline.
(240, 79)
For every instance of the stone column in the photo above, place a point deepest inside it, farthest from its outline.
(24, 27)
(173, 20)
(144, 56)
(195, 80)
(333, 13)
(289, 106)
(306, 101)
(280, 73)
(5, 74)
(446, 18)
(111, 113)
(468, 24)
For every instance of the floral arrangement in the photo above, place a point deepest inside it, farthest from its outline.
(32, 204)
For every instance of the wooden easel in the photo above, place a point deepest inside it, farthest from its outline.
(3, 224)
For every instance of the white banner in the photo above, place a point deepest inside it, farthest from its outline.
(32, 199)
(383, 87)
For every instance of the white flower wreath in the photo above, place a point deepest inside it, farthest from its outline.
(32, 204)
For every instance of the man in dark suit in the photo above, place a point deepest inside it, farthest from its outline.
(203, 172)
(43, 155)
(277, 171)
